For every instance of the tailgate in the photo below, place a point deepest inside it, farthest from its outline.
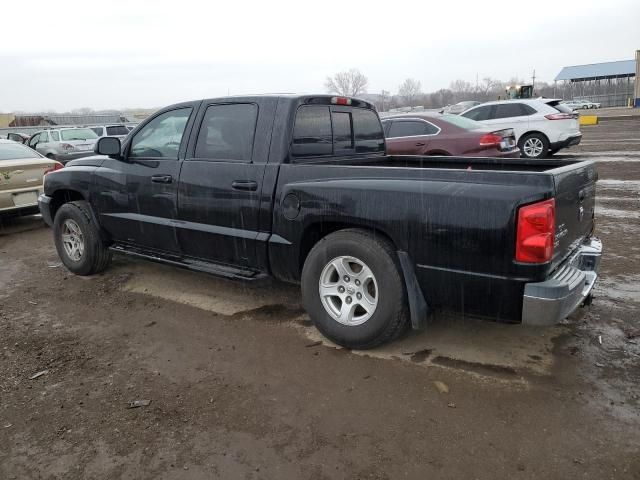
(20, 174)
(575, 206)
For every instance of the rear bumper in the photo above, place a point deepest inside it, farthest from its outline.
(548, 302)
(45, 209)
(566, 143)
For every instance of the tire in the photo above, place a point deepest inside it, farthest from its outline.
(534, 145)
(353, 248)
(90, 255)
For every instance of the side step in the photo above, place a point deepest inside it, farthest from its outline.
(225, 271)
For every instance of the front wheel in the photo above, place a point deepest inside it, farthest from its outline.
(353, 290)
(78, 240)
(534, 145)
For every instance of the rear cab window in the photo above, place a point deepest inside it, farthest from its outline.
(117, 130)
(322, 130)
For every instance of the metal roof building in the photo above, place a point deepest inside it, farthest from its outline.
(610, 83)
(598, 70)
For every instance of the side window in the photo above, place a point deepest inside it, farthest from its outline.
(34, 140)
(509, 110)
(55, 136)
(367, 131)
(227, 132)
(44, 137)
(312, 132)
(342, 130)
(528, 109)
(479, 114)
(161, 137)
(410, 128)
(98, 130)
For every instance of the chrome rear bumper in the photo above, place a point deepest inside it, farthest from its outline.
(548, 302)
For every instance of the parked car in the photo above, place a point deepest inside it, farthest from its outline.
(574, 104)
(299, 187)
(18, 137)
(459, 107)
(119, 131)
(64, 144)
(542, 126)
(590, 104)
(21, 177)
(435, 134)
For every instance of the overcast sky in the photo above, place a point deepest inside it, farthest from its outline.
(66, 54)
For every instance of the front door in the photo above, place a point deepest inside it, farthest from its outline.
(220, 185)
(136, 197)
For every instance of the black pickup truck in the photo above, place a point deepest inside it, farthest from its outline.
(299, 187)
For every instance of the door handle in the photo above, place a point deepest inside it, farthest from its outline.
(162, 179)
(420, 144)
(248, 185)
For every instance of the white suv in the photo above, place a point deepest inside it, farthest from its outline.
(542, 126)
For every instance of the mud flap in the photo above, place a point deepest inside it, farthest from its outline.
(418, 308)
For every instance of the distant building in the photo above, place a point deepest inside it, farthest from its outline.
(611, 84)
(42, 120)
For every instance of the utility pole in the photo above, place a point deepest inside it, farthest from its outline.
(533, 82)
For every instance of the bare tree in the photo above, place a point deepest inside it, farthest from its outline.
(410, 91)
(349, 83)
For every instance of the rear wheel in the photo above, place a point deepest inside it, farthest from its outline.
(78, 241)
(353, 290)
(534, 145)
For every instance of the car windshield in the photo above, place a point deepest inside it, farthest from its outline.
(78, 134)
(461, 122)
(15, 151)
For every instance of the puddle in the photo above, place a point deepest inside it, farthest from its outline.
(616, 213)
(620, 287)
(478, 347)
(223, 297)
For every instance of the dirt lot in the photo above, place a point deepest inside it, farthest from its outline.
(240, 387)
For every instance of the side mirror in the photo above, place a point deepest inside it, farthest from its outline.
(109, 146)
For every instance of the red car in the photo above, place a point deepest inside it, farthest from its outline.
(436, 134)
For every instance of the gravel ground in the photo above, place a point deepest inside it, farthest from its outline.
(240, 386)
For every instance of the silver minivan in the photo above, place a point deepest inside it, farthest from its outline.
(64, 144)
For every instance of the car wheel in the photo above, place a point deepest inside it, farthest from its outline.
(353, 290)
(50, 156)
(534, 145)
(78, 241)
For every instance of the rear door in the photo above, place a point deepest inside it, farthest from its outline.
(575, 206)
(409, 136)
(513, 115)
(221, 182)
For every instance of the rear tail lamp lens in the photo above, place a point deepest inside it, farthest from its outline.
(490, 139)
(56, 166)
(559, 116)
(535, 232)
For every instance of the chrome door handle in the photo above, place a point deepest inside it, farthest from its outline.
(162, 179)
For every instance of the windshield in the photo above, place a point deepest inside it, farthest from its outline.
(15, 151)
(78, 134)
(461, 122)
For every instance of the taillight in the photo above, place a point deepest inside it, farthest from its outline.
(559, 116)
(67, 146)
(490, 139)
(56, 166)
(341, 101)
(535, 232)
